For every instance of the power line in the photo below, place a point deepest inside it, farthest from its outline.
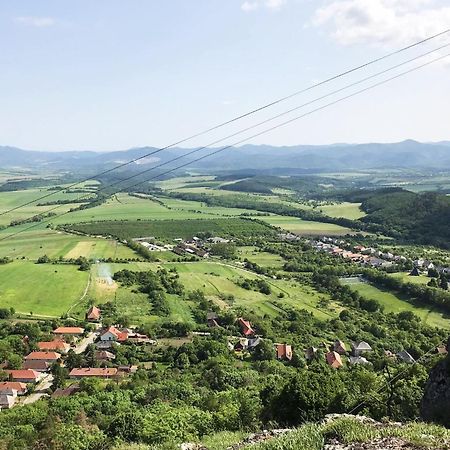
(249, 113)
(247, 138)
(395, 378)
(211, 144)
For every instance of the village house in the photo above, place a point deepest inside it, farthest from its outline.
(49, 357)
(66, 392)
(112, 334)
(253, 343)
(211, 319)
(69, 331)
(104, 355)
(406, 357)
(7, 401)
(57, 345)
(334, 360)
(37, 365)
(241, 345)
(310, 353)
(93, 315)
(246, 327)
(284, 351)
(360, 347)
(339, 347)
(357, 360)
(24, 375)
(96, 372)
(8, 386)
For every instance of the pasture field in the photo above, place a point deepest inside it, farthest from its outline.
(396, 303)
(42, 289)
(126, 207)
(213, 279)
(261, 258)
(306, 227)
(13, 199)
(30, 245)
(406, 278)
(347, 210)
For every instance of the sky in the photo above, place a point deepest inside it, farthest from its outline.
(113, 74)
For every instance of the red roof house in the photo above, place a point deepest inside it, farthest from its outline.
(334, 360)
(246, 327)
(24, 375)
(43, 356)
(69, 331)
(284, 351)
(8, 386)
(55, 345)
(93, 315)
(113, 334)
(37, 365)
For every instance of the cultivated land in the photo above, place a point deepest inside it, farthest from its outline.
(41, 289)
(306, 227)
(396, 303)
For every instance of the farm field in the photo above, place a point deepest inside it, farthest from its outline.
(32, 244)
(126, 207)
(41, 289)
(306, 227)
(213, 279)
(9, 200)
(347, 210)
(172, 229)
(396, 303)
(405, 277)
(261, 258)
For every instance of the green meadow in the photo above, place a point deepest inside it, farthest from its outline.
(41, 289)
(396, 303)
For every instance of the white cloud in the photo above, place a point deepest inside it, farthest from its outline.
(382, 22)
(272, 5)
(33, 21)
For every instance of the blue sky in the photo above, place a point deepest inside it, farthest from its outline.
(114, 74)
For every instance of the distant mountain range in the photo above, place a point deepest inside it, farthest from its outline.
(336, 157)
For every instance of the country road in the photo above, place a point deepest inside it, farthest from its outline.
(40, 390)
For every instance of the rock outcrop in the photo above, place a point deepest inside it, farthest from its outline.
(435, 405)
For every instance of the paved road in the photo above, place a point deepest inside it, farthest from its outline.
(82, 345)
(40, 390)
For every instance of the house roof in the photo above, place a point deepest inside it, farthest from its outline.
(339, 346)
(69, 330)
(284, 351)
(406, 357)
(53, 345)
(354, 360)
(23, 374)
(16, 385)
(103, 354)
(245, 326)
(362, 345)
(93, 372)
(45, 356)
(334, 359)
(36, 364)
(120, 335)
(93, 313)
(7, 400)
